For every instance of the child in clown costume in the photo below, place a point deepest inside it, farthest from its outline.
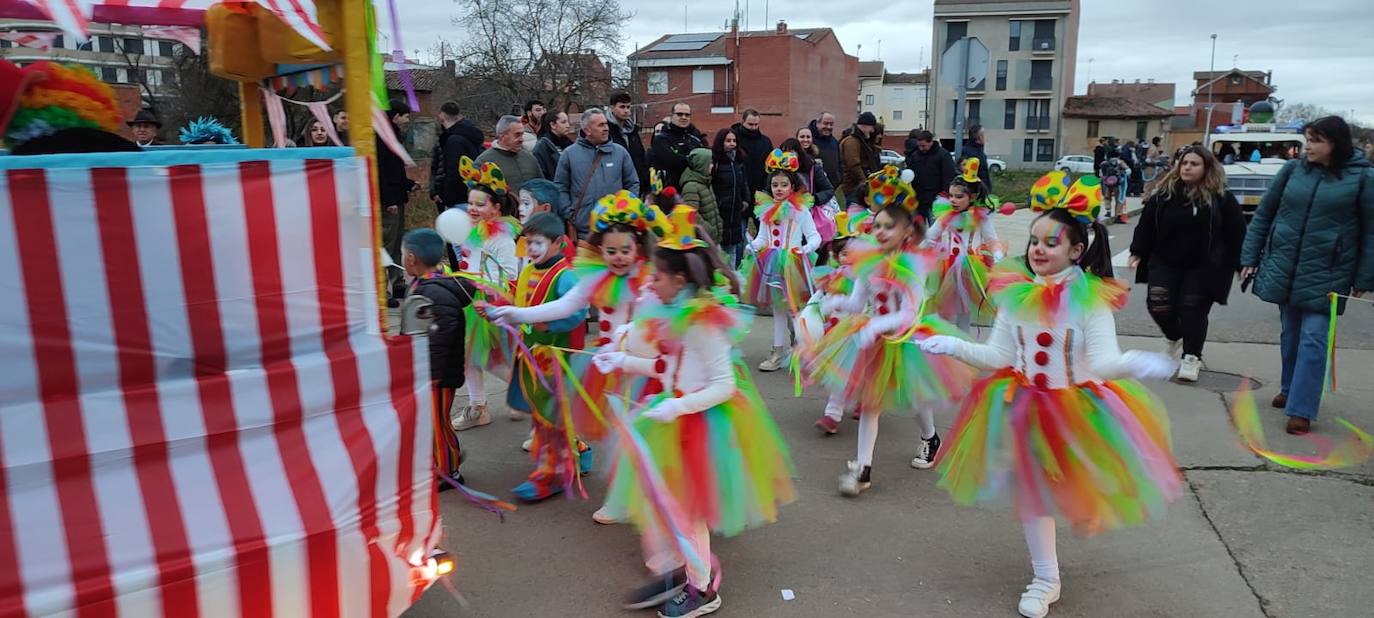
(966, 240)
(778, 271)
(813, 323)
(712, 440)
(611, 269)
(871, 354)
(487, 257)
(1061, 425)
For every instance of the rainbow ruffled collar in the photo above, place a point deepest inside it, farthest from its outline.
(608, 289)
(482, 231)
(1053, 300)
(774, 211)
(692, 308)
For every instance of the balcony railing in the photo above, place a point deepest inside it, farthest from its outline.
(1037, 123)
(1042, 44)
(723, 98)
(1041, 83)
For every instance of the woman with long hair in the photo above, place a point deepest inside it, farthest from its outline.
(555, 134)
(817, 183)
(1186, 250)
(730, 183)
(314, 135)
(1312, 236)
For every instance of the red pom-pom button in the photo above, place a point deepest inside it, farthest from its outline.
(777, 232)
(660, 366)
(1041, 380)
(605, 325)
(603, 341)
(882, 297)
(1041, 358)
(954, 251)
(608, 310)
(777, 243)
(834, 321)
(462, 264)
(1044, 339)
(882, 310)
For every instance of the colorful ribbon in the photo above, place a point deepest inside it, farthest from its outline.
(1355, 449)
(1329, 382)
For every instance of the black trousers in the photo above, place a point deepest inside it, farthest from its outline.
(1178, 301)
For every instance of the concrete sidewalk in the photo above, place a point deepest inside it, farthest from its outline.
(1247, 539)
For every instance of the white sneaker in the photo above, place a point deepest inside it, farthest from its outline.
(1174, 348)
(471, 416)
(775, 360)
(1035, 601)
(1189, 368)
(605, 517)
(850, 485)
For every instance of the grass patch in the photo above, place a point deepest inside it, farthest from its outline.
(1014, 185)
(420, 212)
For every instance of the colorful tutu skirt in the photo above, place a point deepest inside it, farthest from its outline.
(964, 288)
(487, 346)
(889, 374)
(585, 391)
(1097, 454)
(726, 466)
(776, 275)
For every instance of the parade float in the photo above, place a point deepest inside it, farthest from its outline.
(201, 413)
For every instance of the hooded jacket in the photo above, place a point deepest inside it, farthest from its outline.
(446, 346)
(732, 198)
(670, 148)
(756, 147)
(628, 137)
(1312, 234)
(830, 151)
(460, 139)
(576, 178)
(697, 192)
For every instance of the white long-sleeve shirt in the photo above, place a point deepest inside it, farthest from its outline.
(612, 317)
(697, 368)
(493, 260)
(953, 240)
(794, 230)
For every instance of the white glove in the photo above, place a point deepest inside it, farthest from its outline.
(831, 304)
(940, 344)
(607, 362)
(998, 255)
(502, 313)
(665, 411)
(1149, 365)
(867, 335)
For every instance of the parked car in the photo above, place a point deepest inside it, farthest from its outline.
(1075, 164)
(890, 157)
(996, 165)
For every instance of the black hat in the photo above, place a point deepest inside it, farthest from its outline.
(868, 118)
(145, 116)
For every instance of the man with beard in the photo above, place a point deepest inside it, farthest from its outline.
(933, 168)
(823, 135)
(673, 142)
(756, 147)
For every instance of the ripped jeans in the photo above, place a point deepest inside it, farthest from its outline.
(1179, 302)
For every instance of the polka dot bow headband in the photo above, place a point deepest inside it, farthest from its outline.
(681, 232)
(624, 208)
(1083, 199)
(488, 175)
(887, 187)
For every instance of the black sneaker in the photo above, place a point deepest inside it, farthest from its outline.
(925, 452)
(690, 603)
(656, 591)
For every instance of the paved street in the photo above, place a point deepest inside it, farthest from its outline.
(1247, 539)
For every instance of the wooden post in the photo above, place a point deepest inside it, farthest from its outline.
(251, 112)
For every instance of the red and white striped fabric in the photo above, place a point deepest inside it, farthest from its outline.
(36, 40)
(198, 415)
(74, 16)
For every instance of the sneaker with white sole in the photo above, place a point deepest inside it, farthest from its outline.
(1188, 368)
(1173, 348)
(691, 603)
(1036, 600)
(471, 416)
(856, 479)
(656, 591)
(776, 359)
(926, 449)
(606, 516)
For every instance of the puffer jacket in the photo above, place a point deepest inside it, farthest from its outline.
(1312, 234)
(697, 192)
(447, 358)
(731, 186)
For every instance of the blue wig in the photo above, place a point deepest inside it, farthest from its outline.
(543, 191)
(206, 130)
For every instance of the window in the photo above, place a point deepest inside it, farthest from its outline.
(1014, 42)
(975, 113)
(1040, 75)
(896, 114)
(133, 46)
(108, 75)
(1044, 35)
(1009, 118)
(703, 80)
(135, 76)
(1092, 128)
(1028, 151)
(5, 44)
(971, 112)
(1038, 115)
(954, 31)
(106, 44)
(87, 45)
(1140, 127)
(868, 99)
(165, 49)
(658, 82)
(1044, 150)
(57, 42)
(1001, 74)
(167, 77)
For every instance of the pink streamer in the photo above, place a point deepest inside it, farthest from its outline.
(186, 35)
(320, 110)
(382, 126)
(276, 117)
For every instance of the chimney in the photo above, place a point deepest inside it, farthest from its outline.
(1137, 80)
(782, 26)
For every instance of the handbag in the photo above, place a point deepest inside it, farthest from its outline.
(823, 215)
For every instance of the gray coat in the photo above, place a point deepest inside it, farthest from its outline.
(580, 186)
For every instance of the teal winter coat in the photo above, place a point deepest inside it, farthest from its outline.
(1312, 234)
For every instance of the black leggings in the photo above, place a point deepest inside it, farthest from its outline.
(1178, 301)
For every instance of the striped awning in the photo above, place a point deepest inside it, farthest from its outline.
(74, 16)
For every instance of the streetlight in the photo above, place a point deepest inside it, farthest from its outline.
(1211, 77)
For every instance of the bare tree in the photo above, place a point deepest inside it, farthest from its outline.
(135, 66)
(1302, 111)
(551, 50)
(195, 92)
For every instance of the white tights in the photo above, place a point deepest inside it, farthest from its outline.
(1040, 541)
(868, 433)
(476, 383)
(661, 554)
(782, 318)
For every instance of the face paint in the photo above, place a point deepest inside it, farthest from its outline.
(538, 247)
(526, 205)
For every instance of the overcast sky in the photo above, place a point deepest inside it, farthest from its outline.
(1321, 51)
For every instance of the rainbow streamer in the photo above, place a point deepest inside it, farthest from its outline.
(1330, 381)
(1355, 449)
(484, 501)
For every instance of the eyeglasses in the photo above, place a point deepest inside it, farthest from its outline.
(683, 114)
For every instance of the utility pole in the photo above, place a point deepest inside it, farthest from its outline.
(963, 95)
(1211, 77)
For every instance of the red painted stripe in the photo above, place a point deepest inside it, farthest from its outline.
(137, 376)
(216, 402)
(402, 369)
(55, 363)
(283, 388)
(343, 366)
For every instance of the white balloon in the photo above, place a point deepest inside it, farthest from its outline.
(908, 175)
(454, 225)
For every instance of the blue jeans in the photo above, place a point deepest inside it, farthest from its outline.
(1302, 342)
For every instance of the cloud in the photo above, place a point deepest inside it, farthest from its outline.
(1316, 50)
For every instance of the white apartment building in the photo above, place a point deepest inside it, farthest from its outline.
(1032, 48)
(899, 100)
(118, 54)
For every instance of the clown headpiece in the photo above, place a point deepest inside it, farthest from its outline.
(849, 226)
(780, 159)
(45, 97)
(206, 130)
(969, 173)
(624, 208)
(488, 175)
(680, 231)
(1083, 199)
(886, 187)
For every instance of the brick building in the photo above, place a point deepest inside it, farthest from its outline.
(1160, 94)
(788, 75)
(1088, 117)
(1223, 90)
